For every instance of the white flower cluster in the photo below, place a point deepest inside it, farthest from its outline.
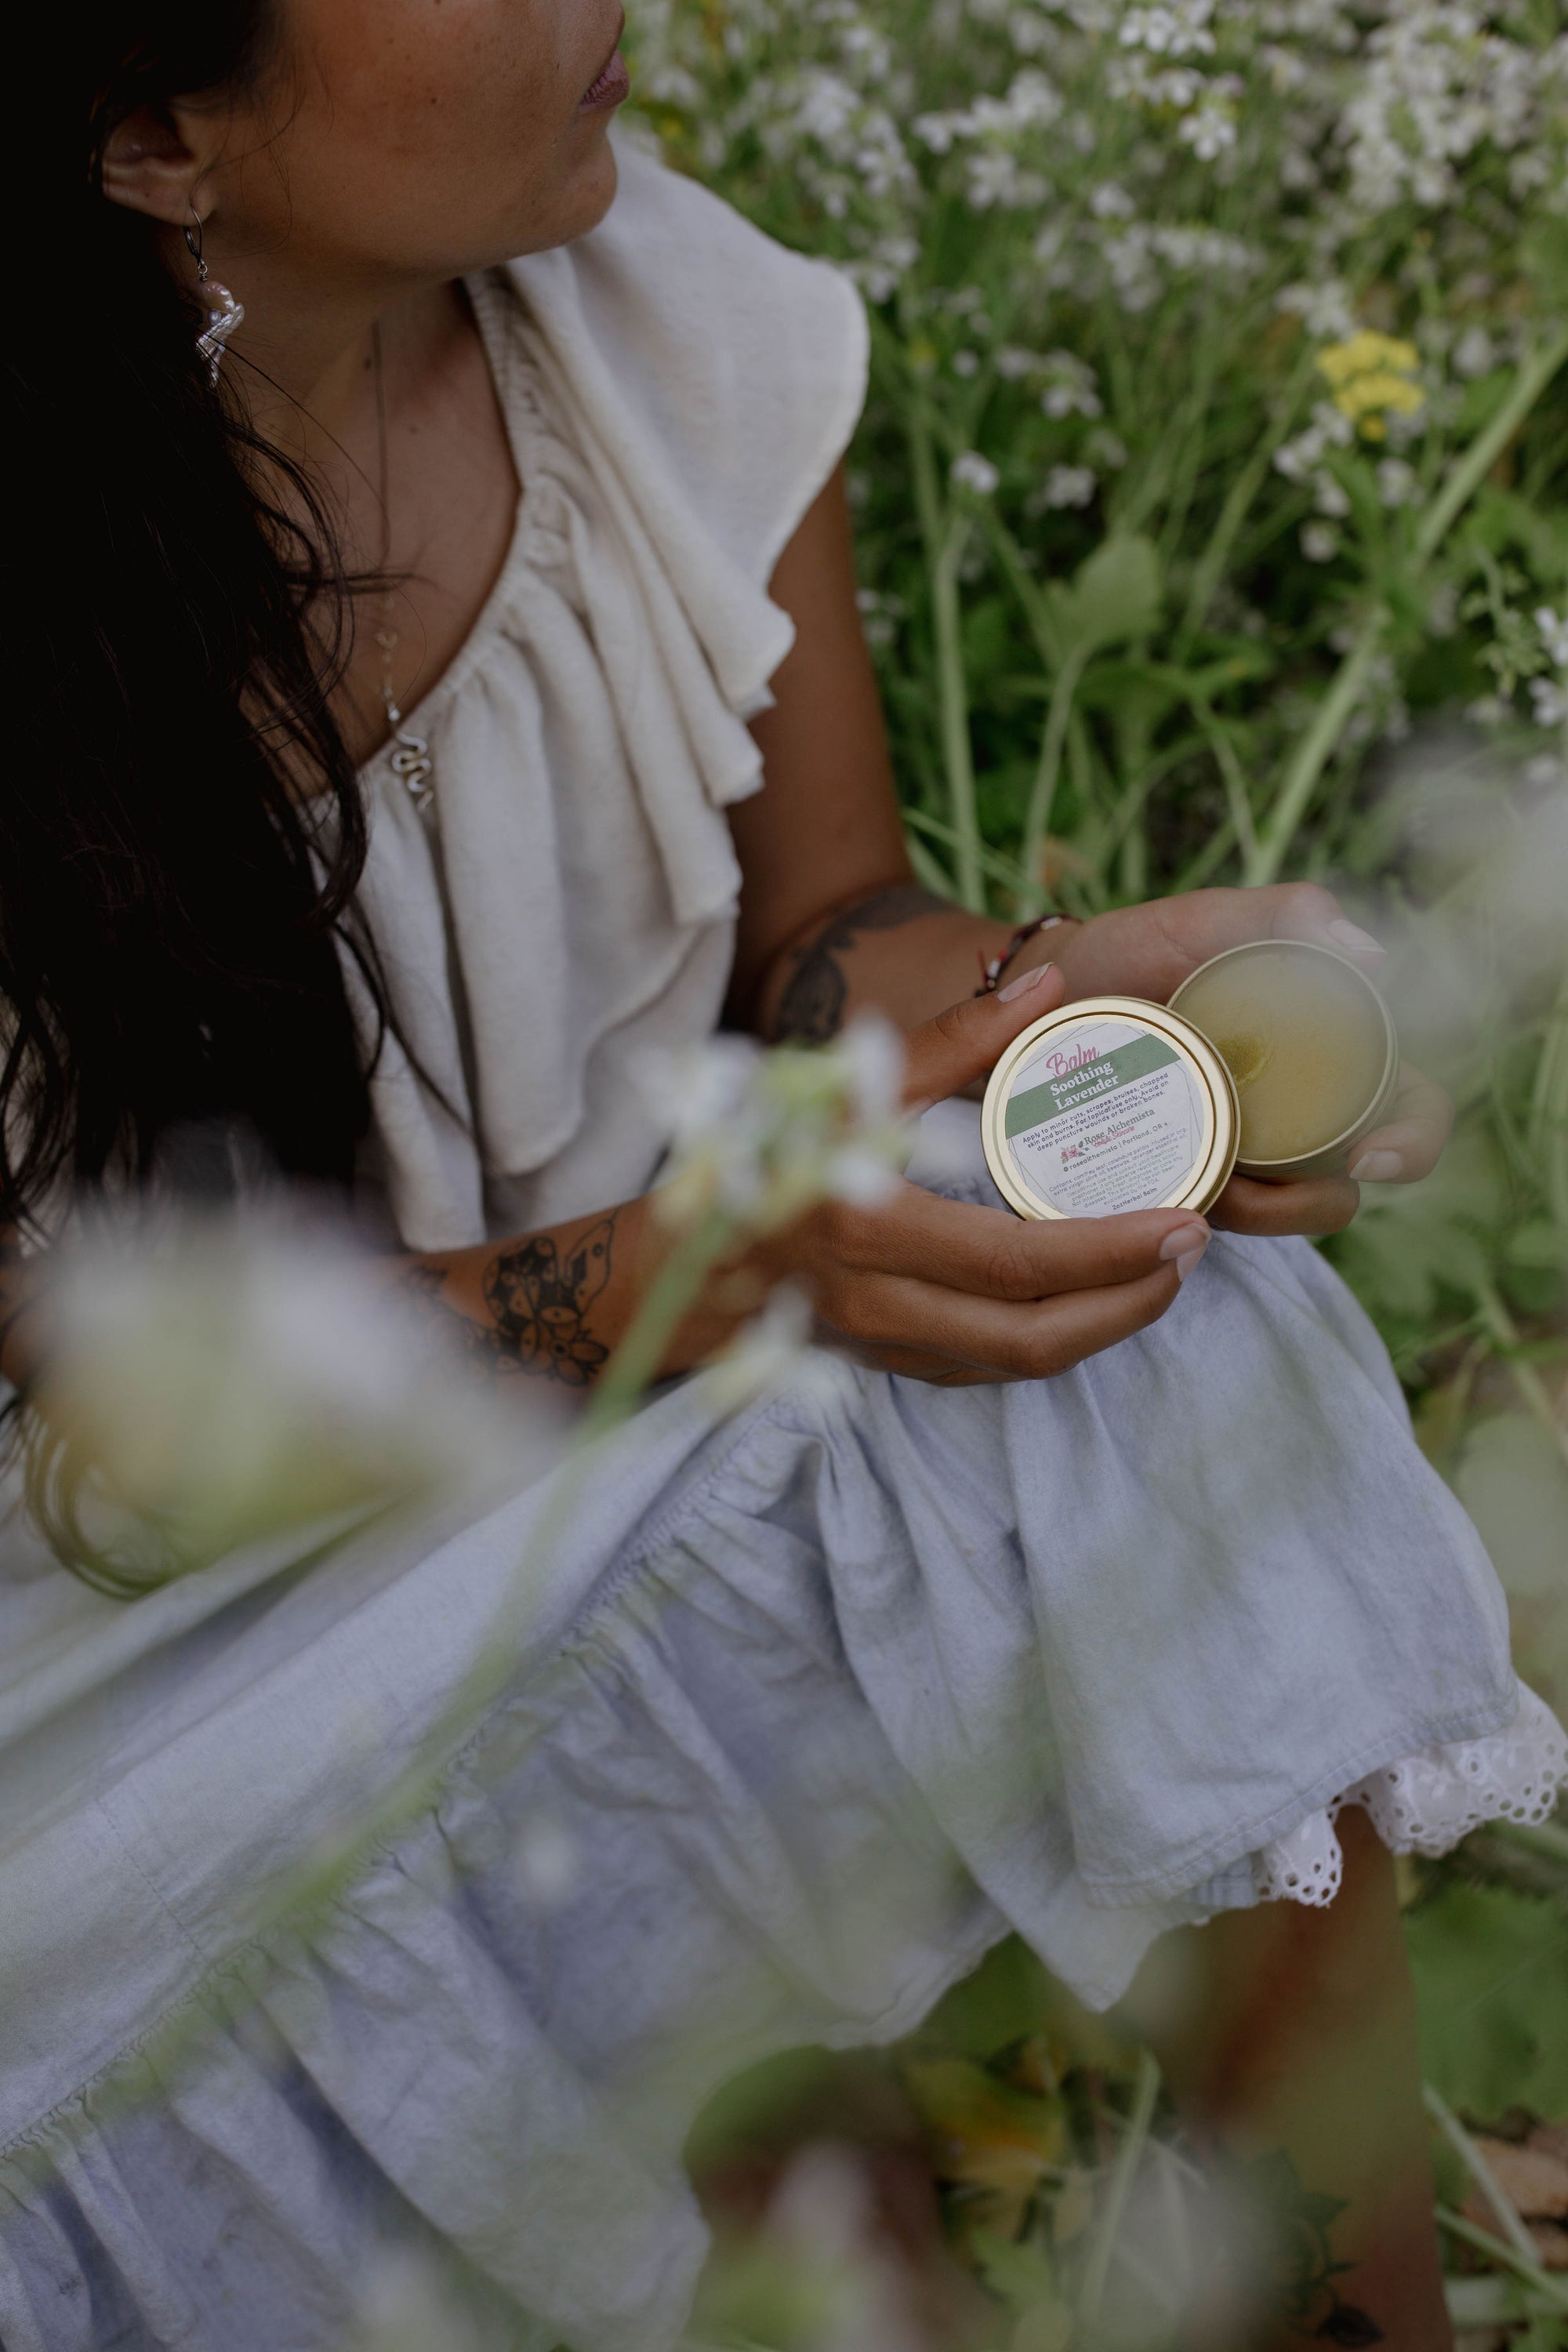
(1440, 81)
(759, 1136)
(1098, 126)
(1550, 695)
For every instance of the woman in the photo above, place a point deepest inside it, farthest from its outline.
(827, 1698)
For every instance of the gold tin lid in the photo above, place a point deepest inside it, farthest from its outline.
(1109, 1104)
(1308, 1042)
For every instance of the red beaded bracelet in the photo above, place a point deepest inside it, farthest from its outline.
(991, 972)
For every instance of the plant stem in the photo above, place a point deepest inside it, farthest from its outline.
(1313, 754)
(1555, 2295)
(1526, 1379)
(1129, 2155)
(1323, 736)
(1484, 451)
(1481, 2172)
(1549, 1109)
(668, 1298)
(945, 538)
(1237, 504)
(1237, 799)
(1549, 1839)
(1037, 821)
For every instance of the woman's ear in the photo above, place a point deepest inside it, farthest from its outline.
(148, 167)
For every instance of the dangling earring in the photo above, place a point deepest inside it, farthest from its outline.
(222, 311)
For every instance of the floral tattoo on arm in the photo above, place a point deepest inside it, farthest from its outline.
(539, 1294)
(816, 995)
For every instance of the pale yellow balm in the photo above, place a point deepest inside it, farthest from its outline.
(1308, 1041)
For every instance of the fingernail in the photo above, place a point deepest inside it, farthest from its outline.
(1022, 985)
(1186, 1246)
(1377, 1168)
(1350, 935)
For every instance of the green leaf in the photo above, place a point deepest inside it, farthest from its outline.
(1492, 1982)
(1116, 595)
(1021, 2274)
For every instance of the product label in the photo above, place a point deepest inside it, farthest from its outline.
(1104, 1117)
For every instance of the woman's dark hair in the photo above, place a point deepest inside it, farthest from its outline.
(180, 832)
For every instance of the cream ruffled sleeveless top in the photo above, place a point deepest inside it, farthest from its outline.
(677, 388)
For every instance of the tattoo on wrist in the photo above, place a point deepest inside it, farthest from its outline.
(539, 1296)
(811, 1009)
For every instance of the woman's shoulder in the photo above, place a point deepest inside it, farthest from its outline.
(744, 362)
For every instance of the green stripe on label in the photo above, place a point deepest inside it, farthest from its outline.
(1106, 1075)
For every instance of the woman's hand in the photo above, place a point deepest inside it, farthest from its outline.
(945, 1292)
(1150, 951)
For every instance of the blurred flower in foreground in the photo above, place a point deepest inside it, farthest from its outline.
(758, 1137)
(228, 1378)
(974, 472)
(1372, 377)
(408, 2302)
(821, 2275)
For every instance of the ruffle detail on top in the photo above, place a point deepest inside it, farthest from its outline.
(1425, 1804)
(677, 389)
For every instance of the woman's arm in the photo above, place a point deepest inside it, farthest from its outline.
(924, 1287)
(832, 919)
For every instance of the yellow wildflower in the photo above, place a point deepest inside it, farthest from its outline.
(1372, 376)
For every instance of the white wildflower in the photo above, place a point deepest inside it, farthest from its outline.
(1179, 29)
(547, 1862)
(1320, 543)
(1106, 449)
(1069, 388)
(1553, 628)
(1210, 129)
(974, 472)
(1551, 702)
(771, 1352)
(758, 1137)
(1475, 353)
(1396, 482)
(1330, 496)
(1070, 486)
(229, 1377)
(966, 363)
(1323, 310)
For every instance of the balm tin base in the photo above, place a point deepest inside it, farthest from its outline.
(1110, 1104)
(1309, 1045)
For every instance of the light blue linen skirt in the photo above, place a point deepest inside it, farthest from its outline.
(806, 1707)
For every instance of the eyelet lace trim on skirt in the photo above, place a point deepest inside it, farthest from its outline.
(1426, 1803)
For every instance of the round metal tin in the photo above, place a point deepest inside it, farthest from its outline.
(1329, 1158)
(1107, 1105)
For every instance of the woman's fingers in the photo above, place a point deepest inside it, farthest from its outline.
(997, 1339)
(891, 1316)
(1409, 1142)
(1305, 1205)
(962, 1044)
(989, 1253)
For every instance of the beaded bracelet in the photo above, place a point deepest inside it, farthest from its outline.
(990, 971)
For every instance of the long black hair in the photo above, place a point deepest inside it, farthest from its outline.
(180, 832)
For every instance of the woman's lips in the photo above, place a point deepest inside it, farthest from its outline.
(613, 88)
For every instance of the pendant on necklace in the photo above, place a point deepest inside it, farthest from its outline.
(412, 764)
(410, 759)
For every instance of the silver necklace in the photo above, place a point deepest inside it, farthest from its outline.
(410, 759)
